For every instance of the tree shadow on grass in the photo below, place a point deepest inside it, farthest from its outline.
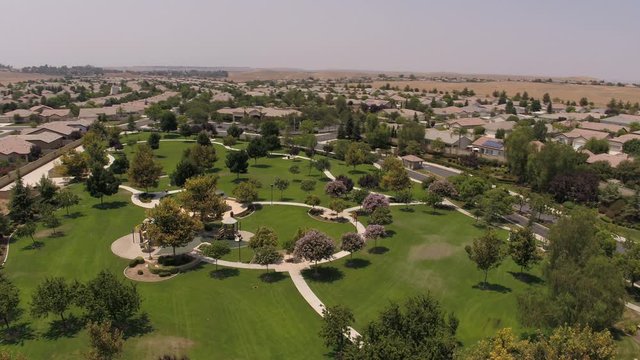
(160, 156)
(69, 328)
(378, 250)
(356, 172)
(526, 277)
(224, 273)
(272, 277)
(35, 245)
(432, 212)
(56, 234)
(357, 263)
(407, 209)
(74, 215)
(196, 267)
(492, 287)
(17, 334)
(110, 205)
(323, 274)
(261, 166)
(137, 326)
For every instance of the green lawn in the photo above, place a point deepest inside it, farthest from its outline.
(285, 221)
(237, 317)
(426, 253)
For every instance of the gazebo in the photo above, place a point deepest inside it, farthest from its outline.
(229, 229)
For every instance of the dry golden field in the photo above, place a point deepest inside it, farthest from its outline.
(7, 77)
(600, 95)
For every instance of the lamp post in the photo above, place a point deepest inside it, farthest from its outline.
(271, 194)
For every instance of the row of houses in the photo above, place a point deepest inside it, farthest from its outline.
(47, 137)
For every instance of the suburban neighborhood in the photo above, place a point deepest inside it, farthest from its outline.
(295, 203)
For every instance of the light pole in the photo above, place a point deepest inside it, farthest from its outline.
(271, 194)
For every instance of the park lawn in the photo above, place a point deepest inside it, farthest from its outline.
(426, 253)
(285, 221)
(242, 316)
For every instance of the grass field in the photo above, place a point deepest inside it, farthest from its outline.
(236, 317)
(600, 95)
(426, 253)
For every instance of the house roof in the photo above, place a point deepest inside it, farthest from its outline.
(467, 122)
(622, 119)
(585, 134)
(14, 145)
(446, 136)
(624, 138)
(488, 142)
(55, 112)
(601, 126)
(613, 160)
(46, 136)
(412, 158)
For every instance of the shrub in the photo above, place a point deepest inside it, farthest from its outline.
(335, 188)
(229, 140)
(369, 181)
(428, 181)
(358, 196)
(136, 261)
(374, 201)
(348, 183)
(381, 216)
(170, 260)
(140, 272)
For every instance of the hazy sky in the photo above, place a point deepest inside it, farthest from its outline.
(542, 37)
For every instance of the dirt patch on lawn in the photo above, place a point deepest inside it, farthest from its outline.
(431, 251)
(156, 346)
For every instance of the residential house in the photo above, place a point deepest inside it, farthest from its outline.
(468, 123)
(448, 111)
(578, 137)
(12, 148)
(488, 146)
(45, 140)
(613, 159)
(449, 139)
(491, 129)
(616, 143)
(622, 119)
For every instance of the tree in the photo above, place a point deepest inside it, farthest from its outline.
(419, 329)
(185, 169)
(264, 236)
(9, 301)
(269, 131)
(381, 216)
(73, 164)
(517, 150)
(237, 162)
(314, 246)
(257, 149)
(294, 169)
(27, 229)
(120, 165)
(282, 185)
(523, 249)
(203, 138)
(154, 140)
(235, 131)
(168, 121)
(53, 296)
(203, 156)
(102, 182)
(552, 159)
(354, 155)
(21, 203)
(266, 255)
(629, 261)
(351, 242)
(597, 146)
(335, 327)
(487, 251)
(337, 205)
(394, 176)
(348, 183)
(405, 197)
(632, 147)
(94, 149)
(443, 188)
(131, 123)
(47, 189)
(199, 196)
(335, 188)
(50, 219)
(170, 226)
(245, 192)
(432, 199)
(583, 285)
(307, 186)
(144, 171)
(460, 131)
(106, 341)
(322, 164)
(495, 204)
(540, 131)
(312, 200)
(216, 251)
(579, 186)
